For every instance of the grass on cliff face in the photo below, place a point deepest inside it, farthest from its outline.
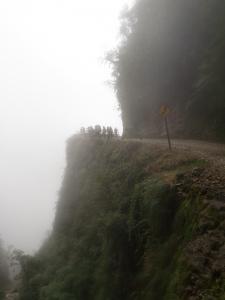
(2, 295)
(120, 226)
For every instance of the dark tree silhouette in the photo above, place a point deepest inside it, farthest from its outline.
(109, 131)
(116, 133)
(4, 271)
(90, 131)
(82, 131)
(104, 131)
(98, 130)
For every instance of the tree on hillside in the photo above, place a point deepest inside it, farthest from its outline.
(116, 133)
(90, 131)
(109, 131)
(82, 131)
(206, 107)
(164, 45)
(104, 132)
(4, 271)
(98, 130)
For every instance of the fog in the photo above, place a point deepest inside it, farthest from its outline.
(52, 83)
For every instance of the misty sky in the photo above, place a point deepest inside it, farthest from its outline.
(52, 82)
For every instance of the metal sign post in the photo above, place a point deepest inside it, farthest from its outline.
(164, 111)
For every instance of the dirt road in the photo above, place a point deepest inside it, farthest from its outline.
(214, 152)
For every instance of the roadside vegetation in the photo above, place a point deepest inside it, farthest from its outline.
(4, 271)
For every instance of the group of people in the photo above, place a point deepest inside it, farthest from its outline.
(99, 131)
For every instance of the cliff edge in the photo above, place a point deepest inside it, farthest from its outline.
(133, 221)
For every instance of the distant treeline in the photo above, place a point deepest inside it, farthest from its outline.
(98, 131)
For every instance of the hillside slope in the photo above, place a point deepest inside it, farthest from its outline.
(133, 221)
(171, 53)
(4, 271)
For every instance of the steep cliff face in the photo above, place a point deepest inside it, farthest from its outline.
(4, 272)
(132, 222)
(172, 53)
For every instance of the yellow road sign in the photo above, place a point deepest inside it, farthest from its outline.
(164, 110)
